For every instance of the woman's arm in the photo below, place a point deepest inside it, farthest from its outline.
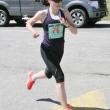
(69, 22)
(29, 24)
(71, 27)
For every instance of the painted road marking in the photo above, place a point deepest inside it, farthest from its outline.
(92, 99)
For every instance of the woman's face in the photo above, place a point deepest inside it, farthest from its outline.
(55, 6)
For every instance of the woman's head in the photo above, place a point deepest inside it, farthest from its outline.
(55, 4)
(57, 1)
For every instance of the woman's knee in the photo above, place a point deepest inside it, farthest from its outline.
(48, 73)
(59, 77)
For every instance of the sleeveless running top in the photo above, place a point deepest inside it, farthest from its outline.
(53, 31)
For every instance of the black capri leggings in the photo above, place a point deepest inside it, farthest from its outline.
(52, 57)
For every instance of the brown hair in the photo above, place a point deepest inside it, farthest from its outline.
(57, 1)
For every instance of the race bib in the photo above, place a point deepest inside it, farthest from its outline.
(55, 30)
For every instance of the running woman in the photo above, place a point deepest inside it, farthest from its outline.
(52, 47)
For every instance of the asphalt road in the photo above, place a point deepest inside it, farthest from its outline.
(86, 65)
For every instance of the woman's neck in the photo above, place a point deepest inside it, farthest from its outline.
(54, 12)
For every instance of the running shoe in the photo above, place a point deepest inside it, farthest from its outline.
(69, 107)
(30, 82)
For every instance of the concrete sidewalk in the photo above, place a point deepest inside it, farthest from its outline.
(103, 22)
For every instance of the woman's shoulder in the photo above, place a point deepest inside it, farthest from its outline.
(43, 14)
(43, 11)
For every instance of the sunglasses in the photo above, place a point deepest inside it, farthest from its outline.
(57, 1)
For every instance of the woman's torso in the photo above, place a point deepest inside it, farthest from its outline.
(53, 31)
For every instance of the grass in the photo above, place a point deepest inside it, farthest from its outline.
(108, 6)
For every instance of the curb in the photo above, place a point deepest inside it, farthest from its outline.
(103, 22)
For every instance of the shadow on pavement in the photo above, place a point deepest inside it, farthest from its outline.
(23, 25)
(74, 108)
(88, 108)
(99, 26)
(40, 25)
(49, 100)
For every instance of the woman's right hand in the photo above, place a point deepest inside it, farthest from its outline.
(35, 34)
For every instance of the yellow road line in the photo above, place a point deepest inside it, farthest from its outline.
(92, 99)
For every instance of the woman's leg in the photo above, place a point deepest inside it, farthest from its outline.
(39, 75)
(62, 94)
(32, 78)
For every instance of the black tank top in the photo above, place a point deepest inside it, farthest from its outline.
(53, 31)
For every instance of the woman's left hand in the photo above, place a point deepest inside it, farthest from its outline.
(72, 28)
(63, 21)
